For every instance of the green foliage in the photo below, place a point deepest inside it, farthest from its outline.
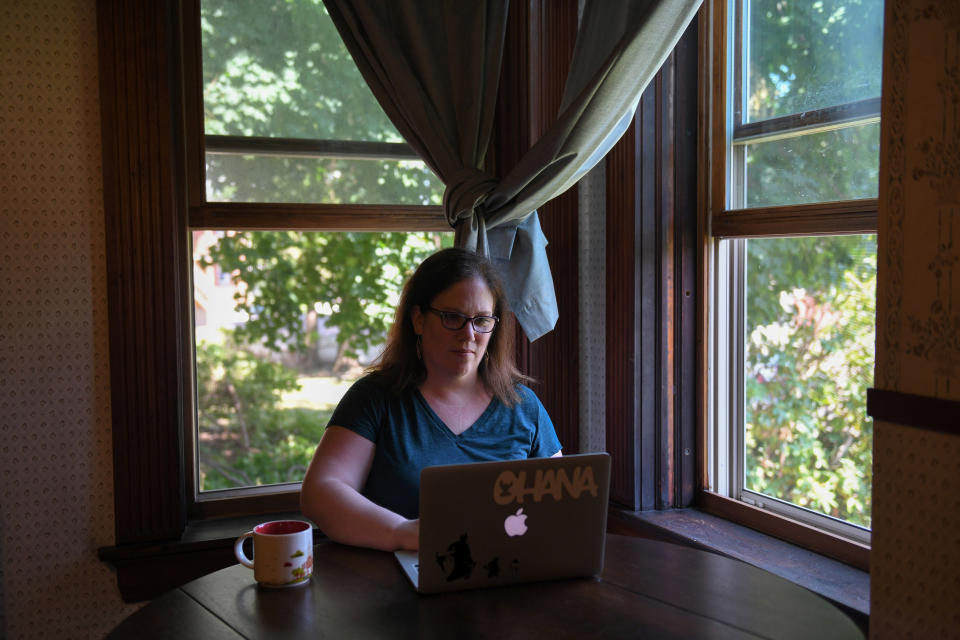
(355, 278)
(806, 55)
(809, 362)
(822, 167)
(244, 438)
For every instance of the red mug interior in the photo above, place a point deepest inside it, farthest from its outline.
(281, 527)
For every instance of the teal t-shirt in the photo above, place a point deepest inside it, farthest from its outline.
(409, 436)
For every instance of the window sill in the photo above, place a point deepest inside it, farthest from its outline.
(144, 571)
(845, 586)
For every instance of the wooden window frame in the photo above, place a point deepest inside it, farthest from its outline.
(717, 221)
(151, 164)
(153, 146)
(242, 216)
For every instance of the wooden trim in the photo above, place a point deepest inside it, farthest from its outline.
(631, 483)
(554, 358)
(909, 409)
(652, 291)
(281, 501)
(317, 217)
(306, 148)
(145, 229)
(192, 72)
(854, 216)
(817, 118)
(665, 167)
(717, 106)
(846, 551)
(704, 242)
(193, 166)
(686, 266)
(510, 136)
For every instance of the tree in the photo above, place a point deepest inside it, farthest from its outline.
(289, 277)
(245, 438)
(809, 361)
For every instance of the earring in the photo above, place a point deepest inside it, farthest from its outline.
(419, 347)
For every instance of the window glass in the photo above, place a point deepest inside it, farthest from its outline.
(284, 323)
(278, 69)
(842, 164)
(248, 178)
(286, 320)
(809, 353)
(804, 55)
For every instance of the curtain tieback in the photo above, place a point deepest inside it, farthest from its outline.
(465, 193)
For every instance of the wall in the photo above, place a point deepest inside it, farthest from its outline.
(915, 559)
(56, 478)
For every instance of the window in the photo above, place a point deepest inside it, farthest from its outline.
(794, 159)
(296, 268)
(155, 202)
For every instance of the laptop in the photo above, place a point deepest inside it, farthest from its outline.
(487, 524)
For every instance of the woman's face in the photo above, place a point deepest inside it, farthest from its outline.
(454, 353)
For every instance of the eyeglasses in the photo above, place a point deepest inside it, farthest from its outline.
(455, 321)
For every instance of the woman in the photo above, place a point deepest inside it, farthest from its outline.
(444, 391)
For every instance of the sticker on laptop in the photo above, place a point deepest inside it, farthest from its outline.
(514, 487)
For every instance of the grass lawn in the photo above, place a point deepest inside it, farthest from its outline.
(317, 392)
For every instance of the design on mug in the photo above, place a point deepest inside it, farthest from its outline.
(302, 572)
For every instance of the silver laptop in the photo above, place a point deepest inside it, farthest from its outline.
(488, 524)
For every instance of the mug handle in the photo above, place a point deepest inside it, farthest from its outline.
(238, 550)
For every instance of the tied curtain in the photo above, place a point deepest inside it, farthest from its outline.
(434, 66)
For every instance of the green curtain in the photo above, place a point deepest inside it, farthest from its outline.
(434, 66)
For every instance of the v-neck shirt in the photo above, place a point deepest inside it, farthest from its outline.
(409, 436)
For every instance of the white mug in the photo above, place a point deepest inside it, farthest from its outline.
(282, 553)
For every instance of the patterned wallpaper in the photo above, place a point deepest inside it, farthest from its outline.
(915, 558)
(56, 504)
(56, 478)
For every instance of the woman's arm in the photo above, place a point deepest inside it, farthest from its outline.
(330, 496)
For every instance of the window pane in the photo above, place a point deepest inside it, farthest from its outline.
(842, 164)
(284, 322)
(809, 55)
(279, 69)
(808, 362)
(234, 178)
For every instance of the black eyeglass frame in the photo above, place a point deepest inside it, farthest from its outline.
(444, 315)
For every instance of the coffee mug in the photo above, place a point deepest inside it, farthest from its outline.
(282, 553)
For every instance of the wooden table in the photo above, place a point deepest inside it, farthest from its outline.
(648, 589)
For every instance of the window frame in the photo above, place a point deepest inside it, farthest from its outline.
(721, 272)
(242, 216)
(143, 79)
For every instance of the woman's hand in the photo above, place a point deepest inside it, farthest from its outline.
(408, 535)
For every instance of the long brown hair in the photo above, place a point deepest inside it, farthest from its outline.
(399, 362)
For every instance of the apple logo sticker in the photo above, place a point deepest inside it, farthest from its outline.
(516, 525)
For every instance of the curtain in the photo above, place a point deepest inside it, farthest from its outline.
(434, 66)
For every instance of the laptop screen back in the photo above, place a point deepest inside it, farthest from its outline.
(493, 523)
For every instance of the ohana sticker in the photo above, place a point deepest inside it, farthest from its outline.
(514, 487)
